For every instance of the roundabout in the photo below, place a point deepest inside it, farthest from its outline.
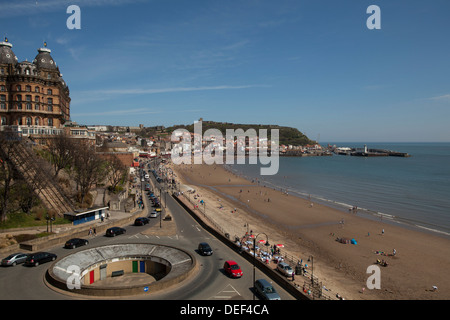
(121, 270)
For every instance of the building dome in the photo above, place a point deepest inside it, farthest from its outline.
(44, 60)
(6, 54)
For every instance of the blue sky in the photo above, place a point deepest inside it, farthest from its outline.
(313, 65)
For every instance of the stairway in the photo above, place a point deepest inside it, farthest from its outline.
(33, 171)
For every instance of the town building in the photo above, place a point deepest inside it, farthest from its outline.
(34, 98)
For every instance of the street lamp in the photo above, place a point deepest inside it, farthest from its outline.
(254, 257)
(311, 259)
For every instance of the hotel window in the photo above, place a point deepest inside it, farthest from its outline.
(2, 106)
(19, 88)
(49, 91)
(19, 121)
(36, 106)
(3, 121)
(2, 97)
(28, 97)
(36, 121)
(28, 88)
(36, 89)
(29, 121)
(50, 100)
(28, 106)
(2, 88)
(50, 108)
(19, 106)
(50, 122)
(36, 99)
(27, 71)
(19, 98)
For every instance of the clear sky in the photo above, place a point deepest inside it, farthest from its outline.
(309, 64)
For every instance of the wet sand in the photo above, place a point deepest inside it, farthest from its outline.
(310, 229)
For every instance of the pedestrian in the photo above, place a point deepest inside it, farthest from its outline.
(95, 231)
(90, 232)
(293, 276)
(382, 231)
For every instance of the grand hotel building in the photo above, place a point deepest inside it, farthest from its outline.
(34, 98)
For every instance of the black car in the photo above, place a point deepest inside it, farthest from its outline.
(141, 221)
(114, 231)
(34, 259)
(204, 249)
(75, 242)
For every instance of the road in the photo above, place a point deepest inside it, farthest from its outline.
(209, 283)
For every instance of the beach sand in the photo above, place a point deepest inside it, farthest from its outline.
(309, 229)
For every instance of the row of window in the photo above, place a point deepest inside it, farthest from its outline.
(29, 122)
(27, 98)
(27, 89)
(27, 72)
(28, 106)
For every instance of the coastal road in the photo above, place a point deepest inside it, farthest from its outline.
(209, 283)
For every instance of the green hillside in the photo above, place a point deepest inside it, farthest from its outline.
(287, 135)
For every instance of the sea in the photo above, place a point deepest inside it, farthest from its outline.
(412, 191)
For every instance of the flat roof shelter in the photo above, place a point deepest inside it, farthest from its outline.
(79, 217)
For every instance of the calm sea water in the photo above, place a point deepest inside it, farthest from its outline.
(414, 191)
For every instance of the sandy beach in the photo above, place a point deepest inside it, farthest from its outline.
(309, 229)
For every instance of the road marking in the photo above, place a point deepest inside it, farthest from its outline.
(226, 293)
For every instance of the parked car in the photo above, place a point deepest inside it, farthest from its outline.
(114, 231)
(204, 249)
(35, 259)
(266, 290)
(75, 242)
(232, 269)
(154, 214)
(14, 259)
(285, 269)
(141, 221)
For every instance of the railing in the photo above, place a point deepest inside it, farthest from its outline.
(312, 286)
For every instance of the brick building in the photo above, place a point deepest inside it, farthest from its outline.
(34, 98)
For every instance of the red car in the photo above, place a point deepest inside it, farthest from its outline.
(232, 269)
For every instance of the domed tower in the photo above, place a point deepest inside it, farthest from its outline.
(8, 60)
(44, 60)
(7, 56)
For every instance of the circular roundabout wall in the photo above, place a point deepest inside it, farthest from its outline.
(97, 271)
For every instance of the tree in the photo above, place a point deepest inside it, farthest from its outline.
(87, 167)
(8, 175)
(60, 148)
(117, 171)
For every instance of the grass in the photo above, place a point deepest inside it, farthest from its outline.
(23, 220)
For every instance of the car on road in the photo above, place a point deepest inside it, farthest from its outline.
(141, 221)
(114, 231)
(154, 214)
(266, 290)
(14, 259)
(285, 269)
(35, 259)
(204, 249)
(75, 242)
(232, 269)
